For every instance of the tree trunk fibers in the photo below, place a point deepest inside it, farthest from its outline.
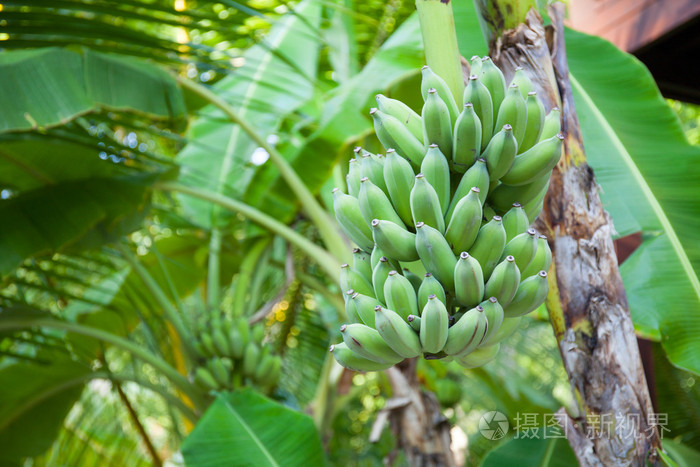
(587, 302)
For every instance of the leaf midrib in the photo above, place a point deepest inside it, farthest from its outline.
(646, 190)
(250, 432)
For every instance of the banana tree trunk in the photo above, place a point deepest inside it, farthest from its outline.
(587, 303)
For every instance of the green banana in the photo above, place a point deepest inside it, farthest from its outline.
(476, 176)
(402, 112)
(425, 204)
(513, 111)
(437, 127)
(351, 279)
(534, 163)
(523, 248)
(364, 307)
(414, 321)
(503, 196)
(352, 361)
(400, 295)
(220, 342)
(374, 203)
(271, 376)
(534, 207)
(489, 245)
(469, 281)
(349, 216)
(504, 281)
(475, 65)
(378, 253)
(507, 329)
(535, 122)
(258, 334)
(523, 81)
(393, 134)
(466, 140)
(370, 168)
(413, 279)
(436, 255)
(243, 329)
(205, 379)
(379, 276)
(465, 222)
(362, 263)
(551, 125)
(434, 324)
(436, 169)
(221, 375)
(200, 350)
(397, 242)
(465, 335)
(208, 343)
(530, 295)
(500, 153)
(493, 79)
(399, 178)
(493, 311)
(479, 357)
(479, 96)
(351, 307)
(353, 177)
(430, 286)
(397, 333)
(368, 343)
(430, 80)
(542, 259)
(515, 221)
(267, 362)
(251, 358)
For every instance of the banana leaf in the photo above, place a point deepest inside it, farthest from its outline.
(532, 449)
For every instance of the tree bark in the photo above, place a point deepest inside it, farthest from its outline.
(587, 302)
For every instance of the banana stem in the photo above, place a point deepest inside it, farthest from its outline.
(324, 259)
(323, 222)
(245, 274)
(498, 16)
(437, 25)
(214, 269)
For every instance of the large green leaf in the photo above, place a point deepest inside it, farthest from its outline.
(649, 176)
(246, 429)
(533, 449)
(48, 87)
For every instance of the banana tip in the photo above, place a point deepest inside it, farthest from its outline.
(383, 259)
(373, 111)
(393, 273)
(510, 258)
(492, 300)
(464, 255)
(542, 273)
(344, 265)
(377, 308)
(343, 328)
(531, 232)
(480, 308)
(419, 225)
(497, 218)
(432, 296)
(375, 222)
(433, 145)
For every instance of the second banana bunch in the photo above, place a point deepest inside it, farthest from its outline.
(456, 191)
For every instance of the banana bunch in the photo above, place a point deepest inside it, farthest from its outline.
(231, 354)
(457, 191)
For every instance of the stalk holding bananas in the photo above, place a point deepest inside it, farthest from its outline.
(457, 191)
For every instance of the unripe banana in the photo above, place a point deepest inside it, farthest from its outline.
(436, 255)
(523, 248)
(413, 279)
(368, 343)
(353, 177)
(523, 81)
(430, 80)
(489, 245)
(542, 259)
(503, 196)
(362, 263)
(352, 361)
(504, 281)
(515, 222)
(530, 295)
(469, 281)
(397, 242)
(466, 140)
(475, 65)
(466, 334)
(414, 321)
(351, 307)
(374, 204)
(399, 179)
(434, 324)
(251, 358)
(271, 376)
(378, 253)
(534, 163)
(220, 342)
(397, 333)
(479, 357)
(379, 276)
(534, 207)
(208, 343)
(205, 379)
(437, 127)
(400, 295)
(425, 204)
(393, 134)
(402, 112)
(508, 327)
(430, 286)
(493, 311)
(267, 363)
(243, 329)
(364, 307)
(258, 334)
(493, 79)
(479, 96)
(513, 111)
(349, 216)
(500, 153)
(551, 125)
(476, 176)
(221, 375)
(465, 222)
(436, 169)
(535, 122)
(351, 279)
(374, 170)
(200, 350)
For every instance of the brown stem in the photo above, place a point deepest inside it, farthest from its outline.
(137, 423)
